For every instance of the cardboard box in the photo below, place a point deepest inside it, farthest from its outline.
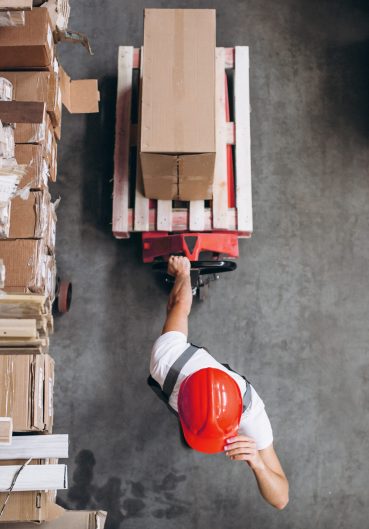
(30, 267)
(33, 132)
(178, 104)
(30, 217)
(38, 171)
(30, 46)
(30, 507)
(26, 391)
(72, 520)
(40, 87)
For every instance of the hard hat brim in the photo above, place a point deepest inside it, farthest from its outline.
(206, 445)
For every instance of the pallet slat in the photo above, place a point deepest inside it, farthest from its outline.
(141, 202)
(243, 140)
(164, 215)
(197, 215)
(122, 141)
(220, 189)
(181, 219)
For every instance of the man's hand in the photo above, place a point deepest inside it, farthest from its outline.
(178, 265)
(265, 465)
(242, 448)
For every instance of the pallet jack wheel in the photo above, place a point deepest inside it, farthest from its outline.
(64, 296)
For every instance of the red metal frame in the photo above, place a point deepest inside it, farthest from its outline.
(159, 244)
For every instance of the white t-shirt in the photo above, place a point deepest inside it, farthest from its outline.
(169, 346)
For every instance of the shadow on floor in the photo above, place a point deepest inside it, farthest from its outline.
(347, 86)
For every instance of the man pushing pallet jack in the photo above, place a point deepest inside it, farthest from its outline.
(185, 159)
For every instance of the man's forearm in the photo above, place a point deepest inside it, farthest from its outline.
(273, 487)
(181, 293)
(179, 304)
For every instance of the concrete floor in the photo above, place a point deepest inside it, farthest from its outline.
(294, 317)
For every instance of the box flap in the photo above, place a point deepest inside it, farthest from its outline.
(160, 175)
(79, 97)
(192, 186)
(178, 177)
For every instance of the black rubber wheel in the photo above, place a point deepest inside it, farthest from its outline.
(204, 267)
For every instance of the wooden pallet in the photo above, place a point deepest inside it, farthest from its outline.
(163, 215)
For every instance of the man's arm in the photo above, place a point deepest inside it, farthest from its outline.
(271, 479)
(180, 299)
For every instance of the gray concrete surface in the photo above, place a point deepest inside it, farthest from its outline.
(294, 317)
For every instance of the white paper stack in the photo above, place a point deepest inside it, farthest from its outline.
(36, 447)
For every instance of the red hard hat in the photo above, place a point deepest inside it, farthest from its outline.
(209, 408)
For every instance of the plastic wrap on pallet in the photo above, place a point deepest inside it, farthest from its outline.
(59, 11)
(12, 18)
(6, 89)
(7, 145)
(2, 274)
(9, 179)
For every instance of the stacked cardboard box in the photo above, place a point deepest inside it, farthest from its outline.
(177, 140)
(33, 87)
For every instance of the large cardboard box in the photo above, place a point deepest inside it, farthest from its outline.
(29, 46)
(38, 86)
(38, 170)
(26, 391)
(29, 507)
(29, 267)
(30, 217)
(178, 104)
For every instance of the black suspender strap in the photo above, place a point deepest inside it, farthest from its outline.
(176, 368)
(247, 396)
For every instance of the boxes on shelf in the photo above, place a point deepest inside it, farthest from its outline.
(33, 132)
(37, 86)
(29, 267)
(26, 390)
(29, 46)
(25, 307)
(38, 170)
(38, 506)
(30, 217)
(177, 140)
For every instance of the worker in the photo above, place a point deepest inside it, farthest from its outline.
(218, 409)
